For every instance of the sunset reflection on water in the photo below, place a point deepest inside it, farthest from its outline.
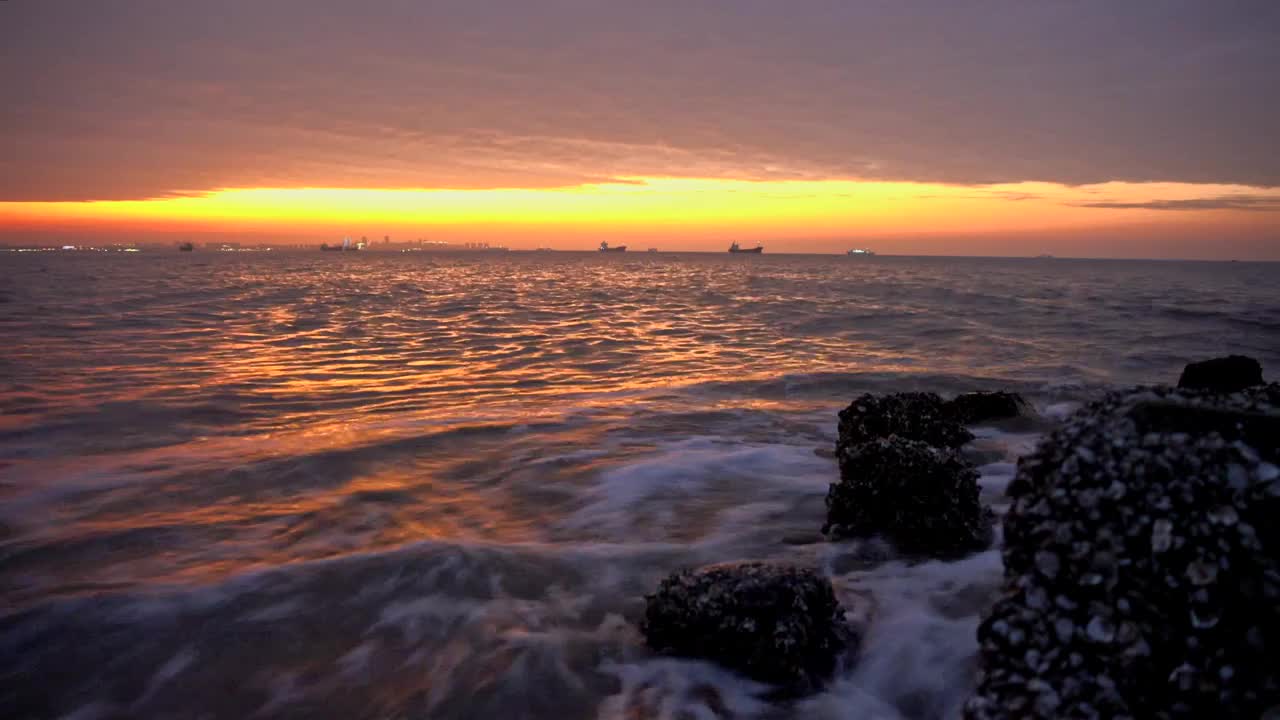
(186, 417)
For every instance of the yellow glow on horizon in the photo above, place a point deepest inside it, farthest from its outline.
(646, 204)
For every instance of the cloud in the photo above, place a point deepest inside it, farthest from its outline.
(982, 193)
(148, 98)
(1263, 203)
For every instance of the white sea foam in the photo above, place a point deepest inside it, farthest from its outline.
(917, 653)
(278, 611)
(425, 618)
(167, 672)
(696, 480)
(916, 659)
(356, 663)
(1060, 411)
(994, 478)
(670, 689)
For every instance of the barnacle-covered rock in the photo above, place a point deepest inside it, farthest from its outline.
(777, 624)
(976, 407)
(922, 498)
(913, 416)
(1225, 374)
(1142, 564)
(1256, 428)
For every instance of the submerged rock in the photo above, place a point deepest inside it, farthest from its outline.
(1142, 564)
(922, 498)
(777, 624)
(975, 407)
(1225, 374)
(913, 416)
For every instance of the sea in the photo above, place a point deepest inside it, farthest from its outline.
(432, 485)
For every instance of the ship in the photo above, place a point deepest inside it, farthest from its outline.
(654, 250)
(735, 249)
(186, 247)
(860, 252)
(604, 247)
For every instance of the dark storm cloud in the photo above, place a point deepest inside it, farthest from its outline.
(1264, 203)
(144, 98)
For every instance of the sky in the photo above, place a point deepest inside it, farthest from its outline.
(1088, 128)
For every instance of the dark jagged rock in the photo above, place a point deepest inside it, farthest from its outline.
(1225, 374)
(1142, 565)
(981, 406)
(1259, 430)
(922, 498)
(777, 624)
(913, 416)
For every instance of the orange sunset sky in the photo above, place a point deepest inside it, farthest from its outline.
(1078, 129)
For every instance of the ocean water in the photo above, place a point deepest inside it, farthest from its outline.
(310, 485)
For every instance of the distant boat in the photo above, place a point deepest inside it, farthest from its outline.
(735, 249)
(653, 249)
(1044, 257)
(186, 247)
(604, 247)
(860, 251)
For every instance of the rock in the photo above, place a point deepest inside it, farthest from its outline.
(976, 407)
(1225, 374)
(922, 498)
(1257, 429)
(776, 624)
(1142, 564)
(913, 416)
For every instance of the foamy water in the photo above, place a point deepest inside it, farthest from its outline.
(319, 485)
